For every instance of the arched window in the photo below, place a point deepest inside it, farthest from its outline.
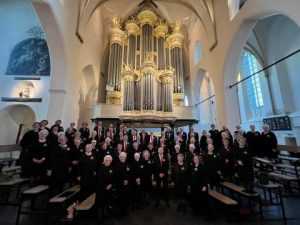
(198, 52)
(251, 90)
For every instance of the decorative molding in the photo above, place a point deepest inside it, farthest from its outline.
(56, 91)
(147, 17)
(27, 78)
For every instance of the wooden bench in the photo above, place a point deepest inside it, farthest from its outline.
(288, 158)
(64, 196)
(285, 179)
(221, 198)
(7, 186)
(272, 189)
(31, 194)
(241, 191)
(285, 168)
(263, 164)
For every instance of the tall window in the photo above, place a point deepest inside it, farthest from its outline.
(253, 85)
(198, 52)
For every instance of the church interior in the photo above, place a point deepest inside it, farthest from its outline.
(149, 112)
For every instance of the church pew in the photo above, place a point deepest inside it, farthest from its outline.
(241, 191)
(286, 180)
(31, 194)
(225, 200)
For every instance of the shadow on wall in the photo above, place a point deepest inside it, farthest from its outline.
(88, 95)
(11, 117)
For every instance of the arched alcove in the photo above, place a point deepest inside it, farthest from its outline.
(205, 101)
(269, 38)
(11, 118)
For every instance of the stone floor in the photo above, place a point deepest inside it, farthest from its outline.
(169, 216)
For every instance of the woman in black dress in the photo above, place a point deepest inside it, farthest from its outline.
(137, 167)
(212, 165)
(39, 158)
(84, 131)
(86, 173)
(227, 160)
(198, 186)
(123, 184)
(59, 167)
(105, 186)
(146, 176)
(244, 165)
(77, 149)
(180, 174)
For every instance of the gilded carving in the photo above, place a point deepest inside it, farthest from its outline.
(147, 17)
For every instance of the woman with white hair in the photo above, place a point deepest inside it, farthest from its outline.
(137, 167)
(86, 172)
(59, 167)
(39, 152)
(146, 176)
(105, 185)
(180, 172)
(268, 143)
(123, 184)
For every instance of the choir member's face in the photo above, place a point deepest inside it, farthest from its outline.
(94, 143)
(225, 142)
(125, 138)
(137, 157)
(266, 129)
(196, 160)
(242, 143)
(191, 148)
(99, 123)
(122, 158)
(209, 141)
(42, 135)
(210, 148)
(177, 149)
(58, 122)
(85, 125)
(151, 132)
(104, 146)
(36, 127)
(135, 145)
(252, 127)
(180, 158)
(89, 148)
(77, 142)
(160, 150)
(62, 141)
(119, 147)
(55, 129)
(107, 161)
(43, 124)
(146, 155)
(213, 126)
(150, 146)
(72, 125)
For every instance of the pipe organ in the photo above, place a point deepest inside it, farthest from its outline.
(145, 66)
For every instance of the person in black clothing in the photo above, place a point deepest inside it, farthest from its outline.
(174, 154)
(254, 141)
(212, 165)
(59, 167)
(134, 149)
(58, 123)
(25, 157)
(269, 143)
(86, 173)
(137, 167)
(244, 165)
(203, 143)
(146, 176)
(180, 172)
(84, 131)
(227, 160)
(105, 186)
(198, 186)
(100, 135)
(43, 125)
(123, 184)
(215, 135)
(77, 149)
(52, 138)
(160, 169)
(39, 151)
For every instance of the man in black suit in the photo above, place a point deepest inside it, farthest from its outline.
(192, 134)
(160, 169)
(152, 139)
(144, 140)
(100, 132)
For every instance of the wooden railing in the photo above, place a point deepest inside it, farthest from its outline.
(289, 148)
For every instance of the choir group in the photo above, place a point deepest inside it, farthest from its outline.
(124, 167)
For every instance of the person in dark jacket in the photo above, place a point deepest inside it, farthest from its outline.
(269, 143)
(212, 165)
(86, 172)
(137, 167)
(160, 170)
(25, 156)
(105, 186)
(180, 172)
(146, 176)
(227, 160)
(123, 184)
(254, 141)
(198, 186)
(244, 165)
(59, 167)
